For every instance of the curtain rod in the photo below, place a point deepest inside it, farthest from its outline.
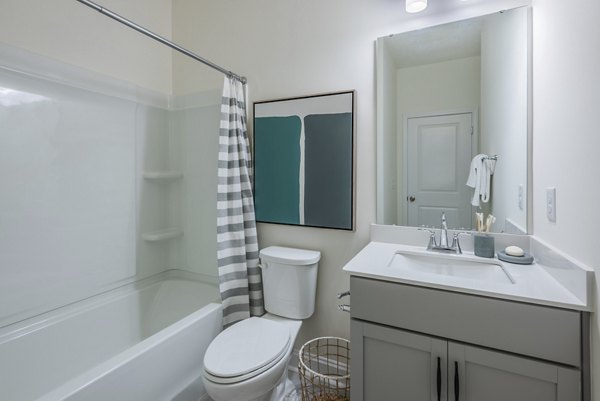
(161, 39)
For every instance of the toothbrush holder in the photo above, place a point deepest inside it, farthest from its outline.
(484, 245)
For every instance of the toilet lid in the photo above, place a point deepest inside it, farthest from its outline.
(246, 347)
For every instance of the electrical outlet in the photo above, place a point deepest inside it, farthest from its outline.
(521, 197)
(551, 204)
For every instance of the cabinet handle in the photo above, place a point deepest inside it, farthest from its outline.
(456, 382)
(439, 379)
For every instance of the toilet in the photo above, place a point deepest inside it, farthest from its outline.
(248, 361)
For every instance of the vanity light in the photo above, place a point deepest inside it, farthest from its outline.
(415, 6)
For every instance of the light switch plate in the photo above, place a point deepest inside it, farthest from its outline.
(551, 204)
(520, 197)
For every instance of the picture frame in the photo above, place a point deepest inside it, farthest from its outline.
(304, 171)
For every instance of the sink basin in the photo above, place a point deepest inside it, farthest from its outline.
(462, 266)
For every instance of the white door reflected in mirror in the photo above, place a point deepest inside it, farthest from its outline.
(438, 156)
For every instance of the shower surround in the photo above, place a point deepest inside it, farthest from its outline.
(107, 263)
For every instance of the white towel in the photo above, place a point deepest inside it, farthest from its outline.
(479, 178)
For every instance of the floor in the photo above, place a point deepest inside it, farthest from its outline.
(292, 394)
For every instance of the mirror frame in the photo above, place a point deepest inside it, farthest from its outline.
(380, 120)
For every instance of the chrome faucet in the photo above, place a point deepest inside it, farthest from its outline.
(442, 245)
(444, 232)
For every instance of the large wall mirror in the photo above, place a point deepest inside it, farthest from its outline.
(453, 108)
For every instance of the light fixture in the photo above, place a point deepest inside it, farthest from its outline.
(415, 6)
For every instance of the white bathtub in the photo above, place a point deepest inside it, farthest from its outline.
(141, 342)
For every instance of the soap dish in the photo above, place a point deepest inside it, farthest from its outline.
(526, 259)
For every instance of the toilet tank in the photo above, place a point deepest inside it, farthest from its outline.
(289, 281)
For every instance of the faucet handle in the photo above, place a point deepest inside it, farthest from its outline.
(432, 242)
(456, 242)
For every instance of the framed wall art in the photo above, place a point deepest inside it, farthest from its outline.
(304, 161)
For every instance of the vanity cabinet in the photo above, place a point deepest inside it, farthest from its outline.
(413, 343)
(389, 363)
(487, 375)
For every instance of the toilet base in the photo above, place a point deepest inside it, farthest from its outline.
(274, 379)
(284, 390)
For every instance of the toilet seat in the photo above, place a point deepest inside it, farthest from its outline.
(245, 350)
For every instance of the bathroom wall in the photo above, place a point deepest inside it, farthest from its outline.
(298, 48)
(438, 87)
(72, 162)
(71, 32)
(387, 199)
(72, 147)
(503, 125)
(195, 123)
(566, 61)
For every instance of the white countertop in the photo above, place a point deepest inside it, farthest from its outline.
(533, 284)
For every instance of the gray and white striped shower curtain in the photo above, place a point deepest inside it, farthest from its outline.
(240, 280)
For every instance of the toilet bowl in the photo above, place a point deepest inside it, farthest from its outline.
(248, 361)
(258, 367)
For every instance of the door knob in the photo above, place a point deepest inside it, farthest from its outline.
(412, 198)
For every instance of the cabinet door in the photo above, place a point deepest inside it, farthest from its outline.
(392, 364)
(476, 374)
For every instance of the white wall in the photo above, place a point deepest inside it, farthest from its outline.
(71, 32)
(196, 125)
(155, 201)
(297, 48)
(71, 231)
(68, 175)
(566, 61)
(387, 198)
(503, 123)
(438, 87)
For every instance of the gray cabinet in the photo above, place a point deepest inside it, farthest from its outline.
(409, 343)
(391, 364)
(394, 364)
(477, 374)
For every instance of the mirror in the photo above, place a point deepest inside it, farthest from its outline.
(453, 106)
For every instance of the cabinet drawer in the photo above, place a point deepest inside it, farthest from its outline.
(537, 331)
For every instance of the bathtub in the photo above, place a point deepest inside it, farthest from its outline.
(144, 341)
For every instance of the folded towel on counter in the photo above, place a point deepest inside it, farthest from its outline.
(479, 179)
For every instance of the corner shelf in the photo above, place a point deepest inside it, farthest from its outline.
(162, 175)
(162, 235)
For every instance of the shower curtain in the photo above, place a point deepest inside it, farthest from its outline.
(240, 280)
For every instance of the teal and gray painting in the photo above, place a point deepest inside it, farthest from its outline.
(303, 170)
(277, 169)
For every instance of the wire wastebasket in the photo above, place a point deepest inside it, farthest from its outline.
(324, 369)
